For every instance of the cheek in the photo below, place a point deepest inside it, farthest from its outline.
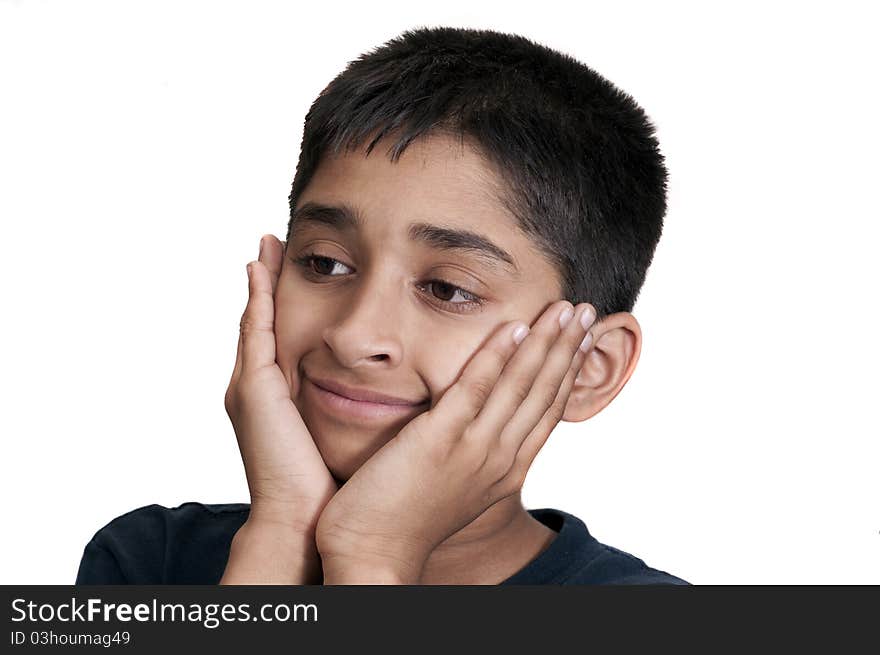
(296, 333)
(294, 308)
(444, 362)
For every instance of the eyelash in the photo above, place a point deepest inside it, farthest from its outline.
(305, 261)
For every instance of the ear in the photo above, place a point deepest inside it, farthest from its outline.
(611, 360)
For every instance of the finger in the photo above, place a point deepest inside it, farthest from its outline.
(461, 402)
(257, 324)
(515, 386)
(536, 439)
(271, 254)
(236, 370)
(268, 256)
(544, 395)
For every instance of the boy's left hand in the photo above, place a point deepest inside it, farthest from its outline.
(450, 464)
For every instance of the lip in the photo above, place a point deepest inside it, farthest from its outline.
(337, 404)
(362, 395)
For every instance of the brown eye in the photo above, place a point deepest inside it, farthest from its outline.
(443, 290)
(323, 265)
(319, 265)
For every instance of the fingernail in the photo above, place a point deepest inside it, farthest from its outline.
(249, 269)
(520, 333)
(261, 246)
(587, 317)
(585, 344)
(565, 316)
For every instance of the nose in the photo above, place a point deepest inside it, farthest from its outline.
(367, 329)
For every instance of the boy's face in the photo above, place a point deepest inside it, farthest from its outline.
(395, 314)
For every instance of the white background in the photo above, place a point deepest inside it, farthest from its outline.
(146, 146)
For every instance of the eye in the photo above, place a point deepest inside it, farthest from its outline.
(441, 292)
(308, 262)
(444, 291)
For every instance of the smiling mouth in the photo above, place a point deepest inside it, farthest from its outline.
(362, 395)
(342, 406)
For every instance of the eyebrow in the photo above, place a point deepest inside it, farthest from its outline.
(344, 217)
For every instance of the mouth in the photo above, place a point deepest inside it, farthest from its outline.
(335, 404)
(357, 393)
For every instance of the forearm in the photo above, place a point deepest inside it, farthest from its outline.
(272, 553)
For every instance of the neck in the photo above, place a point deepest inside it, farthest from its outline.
(491, 548)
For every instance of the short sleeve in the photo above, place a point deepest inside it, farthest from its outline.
(98, 566)
(130, 549)
(157, 545)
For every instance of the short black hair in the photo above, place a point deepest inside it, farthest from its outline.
(582, 170)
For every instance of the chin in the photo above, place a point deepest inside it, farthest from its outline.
(345, 451)
(341, 466)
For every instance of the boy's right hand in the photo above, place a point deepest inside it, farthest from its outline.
(288, 480)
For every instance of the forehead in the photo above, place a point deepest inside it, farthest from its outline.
(434, 169)
(438, 180)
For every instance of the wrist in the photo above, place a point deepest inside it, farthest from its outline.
(283, 517)
(351, 571)
(283, 535)
(272, 553)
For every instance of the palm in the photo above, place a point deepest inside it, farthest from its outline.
(283, 465)
(288, 464)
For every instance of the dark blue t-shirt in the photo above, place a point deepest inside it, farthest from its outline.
(190, 544)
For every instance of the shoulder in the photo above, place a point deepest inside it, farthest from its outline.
(189, 512)
(155, 544)
(614, 566)
(577, 557)
(155, 524)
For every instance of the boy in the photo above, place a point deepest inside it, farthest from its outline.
(407, 350)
